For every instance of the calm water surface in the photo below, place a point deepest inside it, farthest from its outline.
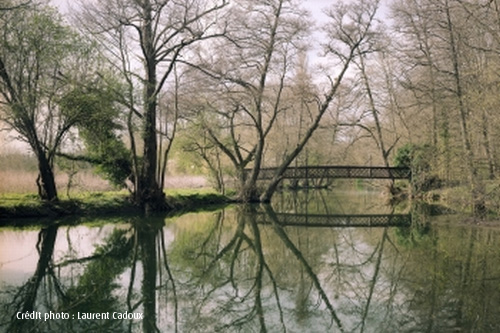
(313, 262)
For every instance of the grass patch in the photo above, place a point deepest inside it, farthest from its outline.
(85, 203)
(189, 199)
(14, 199)
(459, 198)
(16, 206)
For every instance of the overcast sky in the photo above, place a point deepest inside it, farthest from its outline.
(314, 6)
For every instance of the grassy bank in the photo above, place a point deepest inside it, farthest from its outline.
(459, 198)
(17, 206)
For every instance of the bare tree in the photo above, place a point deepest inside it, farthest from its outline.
(447, 60)
(143, 41)
(249, 79)
(377, 105)
(253, 80)
(350, 28)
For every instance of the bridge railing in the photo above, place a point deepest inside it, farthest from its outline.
(328, 171)
(324, 220)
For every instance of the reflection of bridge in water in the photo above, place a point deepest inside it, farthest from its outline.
(336, 220)
(325, 172)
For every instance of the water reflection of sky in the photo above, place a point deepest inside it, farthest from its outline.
(19, 256)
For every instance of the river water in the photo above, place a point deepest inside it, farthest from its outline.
(322, 261)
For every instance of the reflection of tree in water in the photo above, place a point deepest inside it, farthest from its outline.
(150, 247)
(91, 293)
(357, 278)
(365, 267)
(96, 289)
(234, 274)
(238, 270)
(248, 282)
(25, 298)
(455, 276)
(306, 266)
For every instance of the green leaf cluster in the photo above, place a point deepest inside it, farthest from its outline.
(418, 158)
(99, 128)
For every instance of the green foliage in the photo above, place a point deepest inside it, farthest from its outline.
(196, 153)
(190, 146)
(98, 126)
(417, 235)
(97, 283)
(115, 162)
(418, 158)
(41, 58)
(404, 156)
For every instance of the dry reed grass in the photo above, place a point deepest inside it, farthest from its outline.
(18, 175)
(17, 181)
(21, 181)
(13, 181)
(185, 181)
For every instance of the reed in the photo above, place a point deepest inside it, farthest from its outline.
(22, 181)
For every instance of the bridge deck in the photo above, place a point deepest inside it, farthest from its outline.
(323, 220)
(325, 172)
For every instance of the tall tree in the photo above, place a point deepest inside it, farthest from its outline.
(250, 77)
(143, 41)
(450, 45)
(255, 73)
(378, 112)
(36, 48)
(349, 29)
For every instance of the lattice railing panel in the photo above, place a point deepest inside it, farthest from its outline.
(324, 172)
(316, 220)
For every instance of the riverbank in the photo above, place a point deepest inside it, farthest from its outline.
(459, 199)
(25, 206)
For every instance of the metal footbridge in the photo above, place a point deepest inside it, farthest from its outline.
(335, 220)
(331, 171)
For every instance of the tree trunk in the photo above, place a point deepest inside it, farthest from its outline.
(147, 238)
(486, 144)
(477, 190)
(47, 190)
(378, 137)
(149, 195)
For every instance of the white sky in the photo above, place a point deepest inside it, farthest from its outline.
(315, 6)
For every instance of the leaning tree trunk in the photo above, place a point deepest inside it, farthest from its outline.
(248, 191)
(29, 291)
(265, 197)
(46, 183)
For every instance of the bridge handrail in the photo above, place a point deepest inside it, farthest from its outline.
(336, 220)
(338, 171)
(336, 167)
